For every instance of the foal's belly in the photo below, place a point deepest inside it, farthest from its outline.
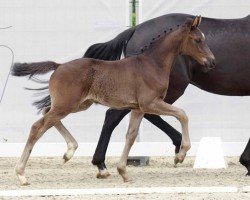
(114, 101)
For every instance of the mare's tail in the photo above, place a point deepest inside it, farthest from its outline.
(112, 49)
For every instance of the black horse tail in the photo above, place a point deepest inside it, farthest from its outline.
(112, 49)
(31, 69)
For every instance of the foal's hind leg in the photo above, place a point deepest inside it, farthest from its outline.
(72, 144)
(70, 140)
(36, 132)
(134, 124)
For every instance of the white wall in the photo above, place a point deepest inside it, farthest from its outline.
(59, 30)
(62, 30)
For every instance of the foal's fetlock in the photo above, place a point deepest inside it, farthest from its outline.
(123, 172)
(70, 152)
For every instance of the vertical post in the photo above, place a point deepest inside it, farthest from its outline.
(134, 12)
(136, 160)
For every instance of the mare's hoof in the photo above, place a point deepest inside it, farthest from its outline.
(103, 174)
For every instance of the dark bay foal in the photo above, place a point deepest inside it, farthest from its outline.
(139, 83)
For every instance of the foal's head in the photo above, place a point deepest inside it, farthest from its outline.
(195, 46)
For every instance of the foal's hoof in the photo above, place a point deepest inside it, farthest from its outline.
(122, 171)
(70, 152)
(103, 174)
(65, 158)
(178, 159)
(127, 179)
(23, 180)
(68, 155)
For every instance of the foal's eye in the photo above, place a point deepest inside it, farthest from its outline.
(198, 40)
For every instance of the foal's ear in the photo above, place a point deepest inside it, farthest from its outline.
(197, 21)
(193, 23)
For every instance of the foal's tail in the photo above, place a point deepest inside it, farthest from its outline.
(112, 49)
(31, 69)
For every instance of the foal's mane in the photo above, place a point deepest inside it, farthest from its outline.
(156, 40)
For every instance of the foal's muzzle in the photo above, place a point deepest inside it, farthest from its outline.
(209, 64)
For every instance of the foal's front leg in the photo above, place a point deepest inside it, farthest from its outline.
(159, 107)
(134, 124)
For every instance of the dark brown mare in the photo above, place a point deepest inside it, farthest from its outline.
(139, 83)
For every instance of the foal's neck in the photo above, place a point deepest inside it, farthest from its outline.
(166, 51)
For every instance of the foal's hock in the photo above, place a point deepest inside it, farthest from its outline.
(139, 83)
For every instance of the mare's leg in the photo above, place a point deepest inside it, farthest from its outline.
(112, 119)
(168, 129)
(245, 158)
(36, 132)
(134, 124)
(159, 107)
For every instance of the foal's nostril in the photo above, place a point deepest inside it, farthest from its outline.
(213, 63)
